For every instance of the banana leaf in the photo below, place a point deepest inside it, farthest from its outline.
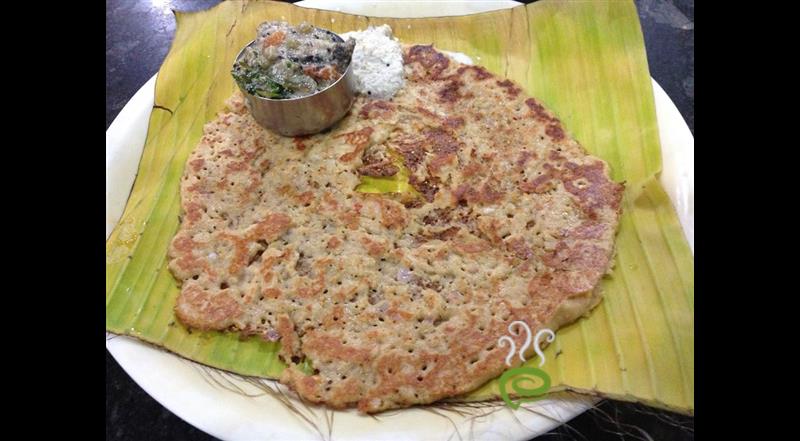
(585, 60)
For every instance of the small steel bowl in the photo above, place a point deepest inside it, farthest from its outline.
(305, 115)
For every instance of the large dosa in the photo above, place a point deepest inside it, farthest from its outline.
(395, 299)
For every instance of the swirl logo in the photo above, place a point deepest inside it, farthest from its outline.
(519, 379)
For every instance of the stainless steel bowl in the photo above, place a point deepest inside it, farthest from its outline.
(304, 115)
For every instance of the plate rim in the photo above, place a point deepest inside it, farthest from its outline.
(117, 350)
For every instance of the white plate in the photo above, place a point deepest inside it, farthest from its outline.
(183, 386)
